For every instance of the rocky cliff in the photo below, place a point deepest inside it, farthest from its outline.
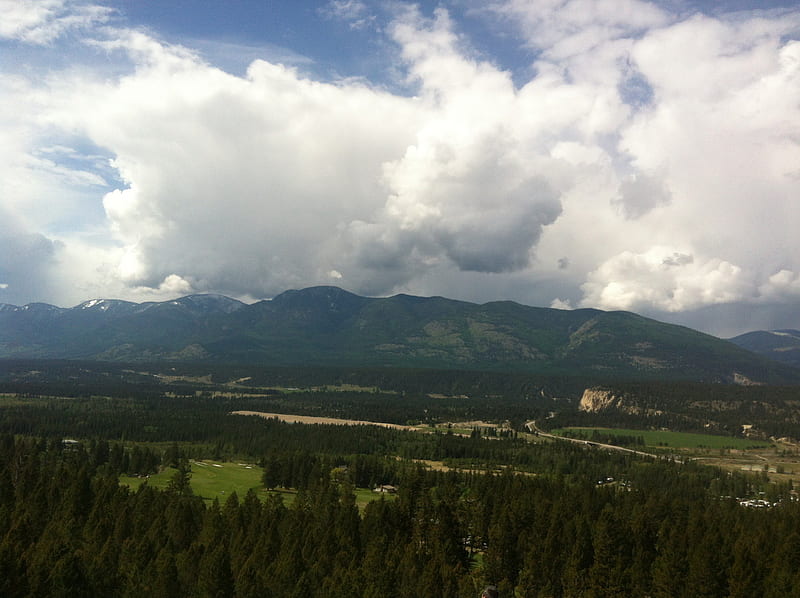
(596, 400)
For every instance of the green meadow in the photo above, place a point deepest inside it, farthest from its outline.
(210, 479)
(214, 479)
(665, 438)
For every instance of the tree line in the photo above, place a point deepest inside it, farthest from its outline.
(68, 528)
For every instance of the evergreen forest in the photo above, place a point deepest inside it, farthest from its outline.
(535, 517)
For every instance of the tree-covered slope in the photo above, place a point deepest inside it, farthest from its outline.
(780, 345)
(330, 326)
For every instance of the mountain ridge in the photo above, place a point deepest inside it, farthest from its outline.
(779, 345)
(326, 325)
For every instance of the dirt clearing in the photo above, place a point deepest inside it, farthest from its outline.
(310, 419)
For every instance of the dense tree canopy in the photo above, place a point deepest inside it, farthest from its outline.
(68, 527)
(528, 517)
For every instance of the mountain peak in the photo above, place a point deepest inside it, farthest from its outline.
(103, 304)
(40, 308)
(780, 345)
(208, 302)
(317, 292)
(326, 325)
(326, 298)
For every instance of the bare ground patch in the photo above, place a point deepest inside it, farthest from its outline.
(311, 419)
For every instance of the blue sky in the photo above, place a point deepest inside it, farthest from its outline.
(343, 38)
(618, 154)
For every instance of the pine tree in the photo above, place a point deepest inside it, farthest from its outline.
(215, 578)
(179, 483)
(166, 583)
(68, 578)
(746, 577)
(608, 573)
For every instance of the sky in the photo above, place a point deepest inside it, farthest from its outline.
(613, 154)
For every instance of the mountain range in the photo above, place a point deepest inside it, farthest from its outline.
(780, 345)
(330, 326)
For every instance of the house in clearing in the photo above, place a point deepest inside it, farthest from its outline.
(385, 489)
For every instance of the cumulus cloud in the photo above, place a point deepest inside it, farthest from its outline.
(174, 285)
(560, 304)
(639, 194)
(27, 261)
(701, 156)
(783, 286)
(42, 195)
(468, 203)
(665, 279)
(477, 195)
(252, 184)
(236, 183)
(646, 160)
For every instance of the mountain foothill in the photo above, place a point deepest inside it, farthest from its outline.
(330, 326)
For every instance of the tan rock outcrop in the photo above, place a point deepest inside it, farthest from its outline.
(595, 400)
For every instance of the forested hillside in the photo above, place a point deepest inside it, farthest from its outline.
(779, 345)
(533, 516)
(327, 326)
(69, 528)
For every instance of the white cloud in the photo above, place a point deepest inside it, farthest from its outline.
(174, 285)
(477, 194)
(560, 304)
(576, 27)
(353, 12)
(242, 184)
(639, 194)
(665, 279)
(701, 147)
(27, 260)
(42, 21)
(783, 286)
(259, 183)
(649, 162)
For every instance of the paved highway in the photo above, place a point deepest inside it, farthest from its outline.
(534, 429)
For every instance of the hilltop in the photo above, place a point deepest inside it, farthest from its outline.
(330, 326)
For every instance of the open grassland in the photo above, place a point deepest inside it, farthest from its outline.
(665, 438)
(213, 479)
(365, 496)
(210, 479)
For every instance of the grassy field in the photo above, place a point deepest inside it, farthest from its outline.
(365, 495)
(210, 479)
(213, 479)
(662, 438)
